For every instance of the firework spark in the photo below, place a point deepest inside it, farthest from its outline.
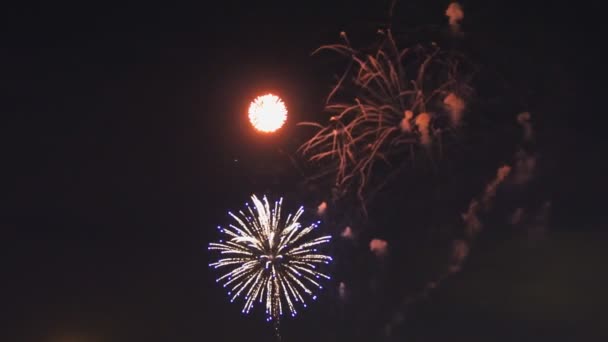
(267, 113)
(270, 261)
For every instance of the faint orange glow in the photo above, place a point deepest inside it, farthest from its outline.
(267, 113)
(347, 233)
(455, 13)
(378, 247)
(321, 208)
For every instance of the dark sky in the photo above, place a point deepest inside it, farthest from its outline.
(121, 123)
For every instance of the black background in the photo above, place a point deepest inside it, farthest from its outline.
(121, 124)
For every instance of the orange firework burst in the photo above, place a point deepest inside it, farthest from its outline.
(267, 113)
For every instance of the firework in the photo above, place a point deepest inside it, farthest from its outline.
(270, 260)
(267, 113)
(388, 102)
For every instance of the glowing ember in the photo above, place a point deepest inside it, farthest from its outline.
(267, 113)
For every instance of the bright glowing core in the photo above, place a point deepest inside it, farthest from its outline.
(267, 113)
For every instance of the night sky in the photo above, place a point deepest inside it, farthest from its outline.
(125, 141)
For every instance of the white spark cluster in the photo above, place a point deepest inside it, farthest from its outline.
(269, 260)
